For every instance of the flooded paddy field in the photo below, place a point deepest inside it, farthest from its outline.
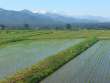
(18, 56)
(92, 66)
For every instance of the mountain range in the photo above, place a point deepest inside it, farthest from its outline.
(20, 18)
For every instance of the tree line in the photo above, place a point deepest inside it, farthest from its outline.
(62, 27)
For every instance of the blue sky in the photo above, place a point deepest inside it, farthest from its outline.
(69, 7)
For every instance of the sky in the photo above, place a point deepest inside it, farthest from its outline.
(68, 7)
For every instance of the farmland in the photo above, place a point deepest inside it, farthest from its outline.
(17, 35)
(92, 66)
(34, 55)
(25, 54)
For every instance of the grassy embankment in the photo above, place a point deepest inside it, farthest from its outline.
(44, 68)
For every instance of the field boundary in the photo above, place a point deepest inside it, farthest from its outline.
(47, 66)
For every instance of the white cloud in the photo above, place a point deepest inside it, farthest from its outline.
(39, 11)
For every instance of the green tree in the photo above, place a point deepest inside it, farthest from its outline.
(2, 27)
(68, 26)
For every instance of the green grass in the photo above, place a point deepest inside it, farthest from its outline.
(44, 68)
(8, 36)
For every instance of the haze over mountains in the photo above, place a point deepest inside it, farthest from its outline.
(20, 18)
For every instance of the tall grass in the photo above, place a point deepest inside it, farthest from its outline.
(46, 67)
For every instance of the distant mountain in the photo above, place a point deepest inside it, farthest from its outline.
(20, 18)
(98, 18)
(69, 19)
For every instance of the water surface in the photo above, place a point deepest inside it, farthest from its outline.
(18, 56)
(92, 66)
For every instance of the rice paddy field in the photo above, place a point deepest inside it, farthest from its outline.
(21, 55)
(20, 49)
(92, 66)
